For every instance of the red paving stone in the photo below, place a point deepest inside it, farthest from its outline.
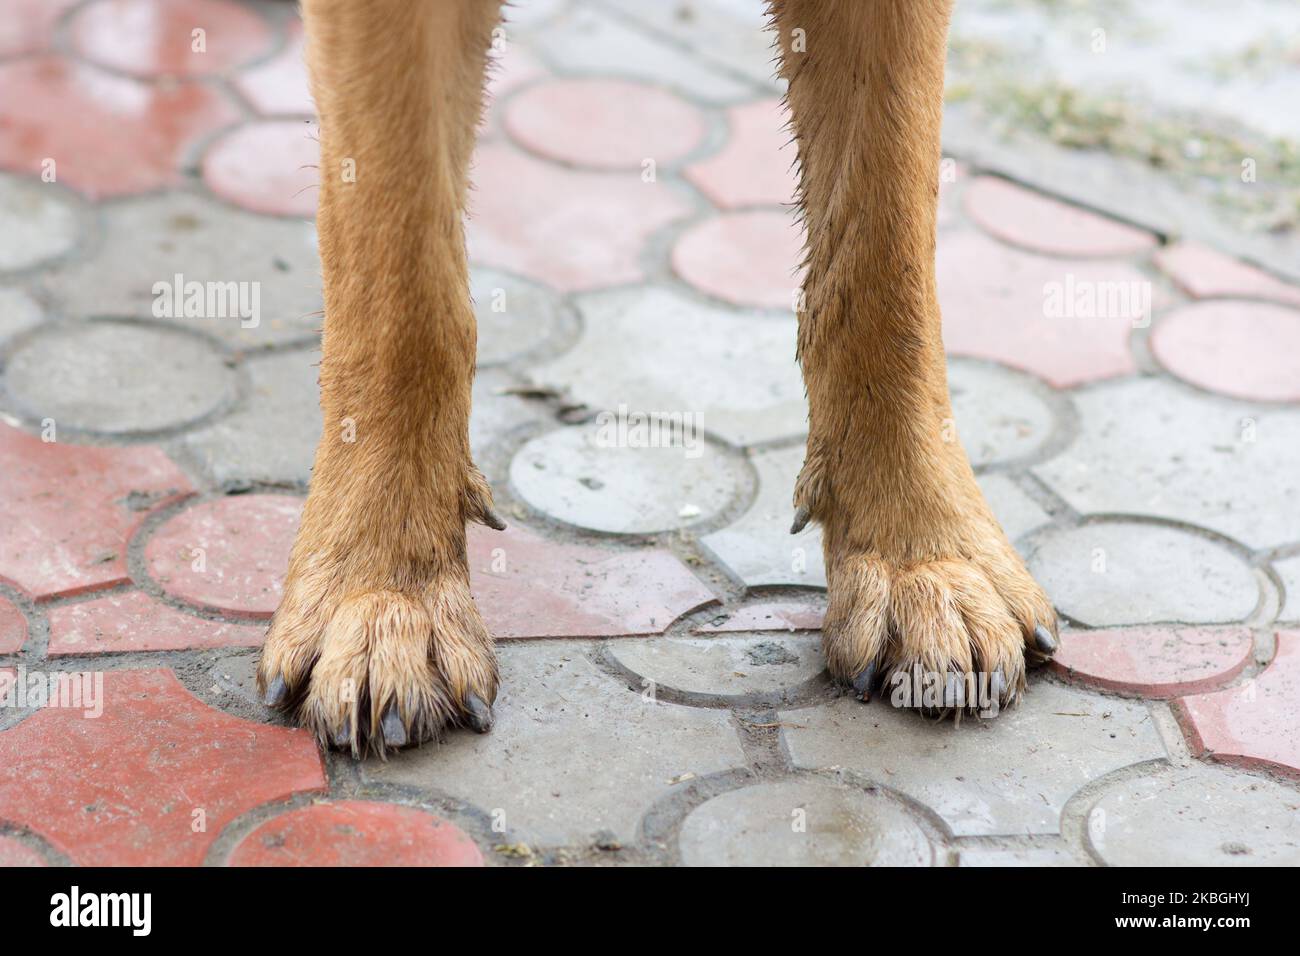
(1153, 661)
(28, 25)
(270, 167)
(568, 230)
(68, 510)
(278, 86)
(604, 124)
(995, 302)
(507, 72)
(1045, 225)
(128, 137)
(13, 627)
(14, 852)
(134, 621)
(1255, 724)
(356, 833)
(552, 589)
(1203, 273)
(745, 258)
(755, 167)
(123, 789)
(777, 616)
(150, 38)
(1243, 349)
(245, 542)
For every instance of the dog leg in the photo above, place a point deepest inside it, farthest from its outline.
(377, 642)
(922, 579)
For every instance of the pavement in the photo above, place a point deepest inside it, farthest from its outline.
(1128, 391)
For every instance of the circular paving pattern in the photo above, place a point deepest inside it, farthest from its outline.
(1154, 661)
(356, 833)
(746, 258)
(1243, 349)
(269, 167)
(802, 823)
(1197, 816)
(1116, 573)
(36, 224)
(734, 665)
(606, 478)
(118, 377)
(514, 316)
(998, 417)
(604, 124)
(229, 554)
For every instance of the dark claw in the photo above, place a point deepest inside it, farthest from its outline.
(800, 520)
(393, 728)
(480, 714)
(277, 693)
(864, 682)
(343, 737)
(493, 520)
(998, 683)
(1044, 640)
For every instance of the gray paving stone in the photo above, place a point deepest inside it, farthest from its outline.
(1196, 816)
(37, 223)
(1152, 447)
(588, 41)
(998, 416)
(1289, 571)
(18, 312)
(758, 547)
(1007, 775)
(272, 436)
(1114, 573)
(572, 752)
(730, 665)
(659, 352)
(1017, 512)
(803, 823)
(496, 411)
(514, 316)
(589, 476)
(1017, 856)
(117, 377)
(152, 239)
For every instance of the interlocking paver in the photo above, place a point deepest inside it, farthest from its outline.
(998, 416)
(129, 137)
(758, 547)
(152, 240)
(537, 219)
(356, 833)
(528, 586)
(1150, 447)
(514, 315)
(757, 164)
(726, 665)
(1255, 724)
(1204, 273)
(18, 312)
(28, 25)
(228, 554)
(803, 823)
(1154, 661)
(278, 86)
(767, 616)
(1243, 349)
(747, 258)
(13, 627)
(1029, 219)
(1067, 321)
(738, 378)
(37, 223)
(572, 752)
(1016, 511)
(1289, 571)
(604, 124)
(1196, 816)
(1114, 573)
(270, 167)
(70, 510)
(118, 377)
(152, 38)
(1009, 775)
(133, 621)
(606, 479)
(150, 781)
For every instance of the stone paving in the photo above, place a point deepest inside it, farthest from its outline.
(663, 699)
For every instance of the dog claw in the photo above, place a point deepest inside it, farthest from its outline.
(393, 728)
(493, 520)
(480, 714)
(343, 737)
(1044, 640)
(862, 684)
(801, 517)
(276, 693)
